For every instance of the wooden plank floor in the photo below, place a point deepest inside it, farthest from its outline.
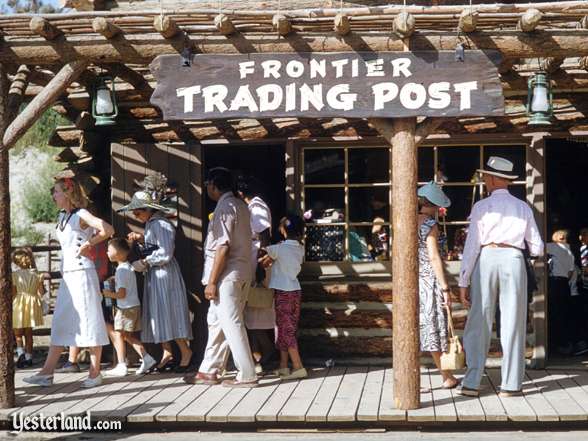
(332, 396)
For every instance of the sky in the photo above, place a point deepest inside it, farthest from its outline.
(51, 2)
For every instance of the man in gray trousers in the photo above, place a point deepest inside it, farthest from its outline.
(493, 265)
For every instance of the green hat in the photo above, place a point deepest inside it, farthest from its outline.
(433, 193)
(141, 200)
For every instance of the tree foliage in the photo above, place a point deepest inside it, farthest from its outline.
(27, 6)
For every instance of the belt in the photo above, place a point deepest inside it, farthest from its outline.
(499, 245)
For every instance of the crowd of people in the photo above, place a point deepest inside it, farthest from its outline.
(255, 296)
(238, 257)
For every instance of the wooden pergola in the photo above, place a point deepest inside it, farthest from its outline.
(53, 60)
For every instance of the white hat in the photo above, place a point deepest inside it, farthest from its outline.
(500, 167)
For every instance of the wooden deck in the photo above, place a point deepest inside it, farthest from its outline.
(350, 396)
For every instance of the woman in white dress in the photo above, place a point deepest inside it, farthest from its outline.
(77, 319)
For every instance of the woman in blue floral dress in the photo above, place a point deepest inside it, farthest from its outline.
(434, 292)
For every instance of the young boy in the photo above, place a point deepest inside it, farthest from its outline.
(127, 318)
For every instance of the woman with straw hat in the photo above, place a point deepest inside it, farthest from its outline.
(165, 314)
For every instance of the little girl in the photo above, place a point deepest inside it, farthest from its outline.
(27, 307)
(285, 259)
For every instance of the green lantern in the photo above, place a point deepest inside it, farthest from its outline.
(104, 109)
(539, 100)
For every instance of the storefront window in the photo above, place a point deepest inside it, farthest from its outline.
(346, 203)
(456, 172)
(346, 196)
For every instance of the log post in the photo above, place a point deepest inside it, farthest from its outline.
(17, 91)
(529, 20)
(468, 21)
(42, 101)
(405, 292)
(404, 24)
(42, 27)
(550, 64)
(105, 27)
(166, 26)
(281, 24)
(341, 25)
(6, 339)
(224, 24)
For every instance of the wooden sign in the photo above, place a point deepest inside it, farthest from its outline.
(354, 85)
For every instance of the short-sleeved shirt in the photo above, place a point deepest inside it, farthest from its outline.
(287, 257)
(124, 277)
(230, 225)
(261, 220)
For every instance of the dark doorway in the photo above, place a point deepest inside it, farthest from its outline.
(567, 209)
(265, 162)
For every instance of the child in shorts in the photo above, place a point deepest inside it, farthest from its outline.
(127, 314)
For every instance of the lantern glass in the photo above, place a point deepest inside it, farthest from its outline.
(540, 101)
(104, 104)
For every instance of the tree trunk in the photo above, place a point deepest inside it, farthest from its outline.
(405, 301)
(6, 339)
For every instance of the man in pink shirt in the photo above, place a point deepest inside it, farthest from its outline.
(493, 266)
(227, 278)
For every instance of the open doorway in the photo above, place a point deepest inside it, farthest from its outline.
(567, 210)
(264, 162)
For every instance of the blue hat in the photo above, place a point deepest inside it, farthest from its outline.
(433, 193)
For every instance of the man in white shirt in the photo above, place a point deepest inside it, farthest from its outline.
(493, 265)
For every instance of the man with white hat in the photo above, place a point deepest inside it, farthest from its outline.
(493, 266)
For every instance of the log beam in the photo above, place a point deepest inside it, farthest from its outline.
(224, 24)
(341, 25)
(17, 91)
(404, 24)
(468, 20)
(529, 20)
(550, 64)
(42, 27)
(42, 102)
(281, 24)
(7, 397)
(105, 27)
(143, 48)
(166, 26)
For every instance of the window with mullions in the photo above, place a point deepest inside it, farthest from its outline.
(454, 168)
(346, 203)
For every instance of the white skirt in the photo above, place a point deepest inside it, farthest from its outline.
(78, 319)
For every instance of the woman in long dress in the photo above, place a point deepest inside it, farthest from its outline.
(166, 316)
(77, 319)
(434, 292)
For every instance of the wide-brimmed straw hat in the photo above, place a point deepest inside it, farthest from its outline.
(497, 166)
(433, 193)
(142, 200)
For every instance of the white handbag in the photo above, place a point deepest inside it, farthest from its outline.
(454, 358)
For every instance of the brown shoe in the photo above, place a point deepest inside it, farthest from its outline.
(510, 393)
(467, 392)
(236, 383)
(201, 378)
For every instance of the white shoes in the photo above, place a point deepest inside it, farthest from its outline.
(119, 371)
(39, 380)
(295, 375)
(282, 372)
(146, 364)
(92, 382)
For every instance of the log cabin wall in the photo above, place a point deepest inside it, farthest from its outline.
(182, 165)
(346, 306)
